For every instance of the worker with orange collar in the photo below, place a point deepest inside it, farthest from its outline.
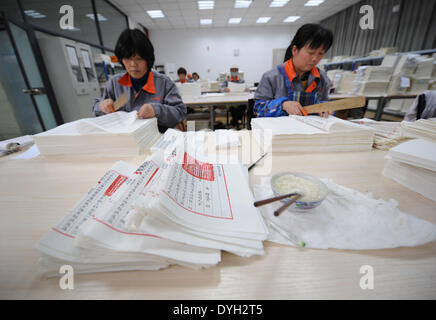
(183, 77)
(150, 93)
(234, 77)
(298, 82)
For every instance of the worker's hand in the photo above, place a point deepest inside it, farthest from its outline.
(107, 105)
(292, 107)
(246, 90)
(146, 111)
(325, 114)
(227, 90)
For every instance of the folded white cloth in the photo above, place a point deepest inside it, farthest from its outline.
(346, 219)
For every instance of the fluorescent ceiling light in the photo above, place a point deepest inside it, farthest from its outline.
(312, 3)
(39, 16)
(263, 19)
(205, 21)
(243, 3)
(235, 20)
(291, 19)
(154, 14)
(205, 5)
(99, 17)
(278, 3)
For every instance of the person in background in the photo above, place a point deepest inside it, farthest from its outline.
(195, 76)
(423, 107)
(234, 77)
(181, 73)
(150, 93)
(237, 112)
(298, 82)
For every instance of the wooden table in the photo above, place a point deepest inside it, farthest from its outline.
(35, 194)
(217, 99)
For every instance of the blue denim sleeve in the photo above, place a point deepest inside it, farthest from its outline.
(270, 108)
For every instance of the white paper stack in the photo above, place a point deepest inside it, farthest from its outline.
(374, 73)
(372, 80)
(120, 133)
(398, 85)
(387, 133)
(418, 85)
(422, 128)
(406, 65)
(236, 87)
(203, 204)
(413, 165)
(335, 76)
(191, 89)
(345, 84)
(425, 68)
(93, 236)
(311, 134)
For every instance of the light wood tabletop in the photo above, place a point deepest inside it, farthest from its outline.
(35, 194)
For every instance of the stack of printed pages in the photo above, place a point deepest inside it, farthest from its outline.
(172, 209)
(413, 165)
(422, 128)
(120, 133)
(311, 134)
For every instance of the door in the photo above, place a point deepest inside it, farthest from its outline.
(24, 105)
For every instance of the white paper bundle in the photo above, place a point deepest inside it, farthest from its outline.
(398, 85)
(387, 133)
(370, 88)
(236, 87)
(413, 164)
(120, 133)
(311, 134)
(191, 89)
(204, 204)
(94, 236)
(425, 68)
(346, 219)
(418, 85)
(422, 128)
(345, 84)
(406, 65)
(374, 73)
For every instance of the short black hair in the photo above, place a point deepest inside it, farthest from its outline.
(314, 34)
(132, 42)
(195, 74)
(181, 71)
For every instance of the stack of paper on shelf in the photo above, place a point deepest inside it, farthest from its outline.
(418, 85)
(382, 51)
(374, 73)
(203, 204)
(93, 237)
(422, 128)
(413, 165)
(345, 84)
(390, 60)
(372, 80)
(406, 65)
(398, 85)
(120, 133)
(310, 134)
(425, 68)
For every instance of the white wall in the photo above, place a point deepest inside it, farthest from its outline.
(210, 51)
